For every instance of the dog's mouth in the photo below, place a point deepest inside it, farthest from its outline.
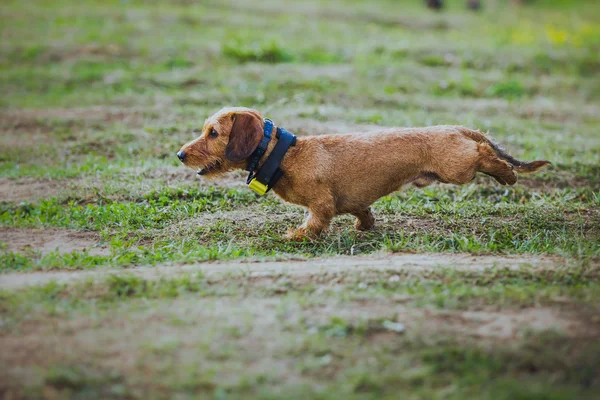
(213, 167)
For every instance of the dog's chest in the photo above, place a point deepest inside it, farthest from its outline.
(290, 194)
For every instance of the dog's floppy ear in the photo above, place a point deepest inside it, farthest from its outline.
(246, 133)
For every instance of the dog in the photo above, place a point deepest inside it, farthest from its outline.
(346, 173)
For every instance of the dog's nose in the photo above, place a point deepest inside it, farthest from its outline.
(181, 155)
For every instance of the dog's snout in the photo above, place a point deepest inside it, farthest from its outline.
(181, 155)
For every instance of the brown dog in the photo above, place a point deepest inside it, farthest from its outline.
(345, 174)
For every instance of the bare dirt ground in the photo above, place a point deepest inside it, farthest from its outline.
(37, 120)
(297, 268)
(49, 240)
(28, 189)
(32, 189)
(147, 336)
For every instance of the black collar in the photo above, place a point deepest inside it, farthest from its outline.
(266, 177)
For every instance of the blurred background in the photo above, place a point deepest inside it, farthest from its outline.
(377, 57)
(150, 67)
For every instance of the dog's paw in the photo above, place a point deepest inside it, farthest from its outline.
(299, 235)
(365, 224)
(363, 227)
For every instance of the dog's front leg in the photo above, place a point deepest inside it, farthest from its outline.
(319, 217)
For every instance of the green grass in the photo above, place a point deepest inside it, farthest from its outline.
(444, 288)
(470, 219)
(329, 353)
(266, 52)
(97, 97)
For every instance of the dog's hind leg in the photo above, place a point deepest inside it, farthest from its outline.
(491, 165)
(497, 162)
(365, 219)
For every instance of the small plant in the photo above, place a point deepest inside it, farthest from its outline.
(465, 86)
(266, 52)
(509, 89)
(433, 60)
(321, 56)
(14, 261)
(80, 379)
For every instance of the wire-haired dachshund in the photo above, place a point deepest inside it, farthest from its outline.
(346, 173)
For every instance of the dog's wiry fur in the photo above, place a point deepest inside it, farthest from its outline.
(345, 174)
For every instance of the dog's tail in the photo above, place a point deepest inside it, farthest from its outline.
(519, 166)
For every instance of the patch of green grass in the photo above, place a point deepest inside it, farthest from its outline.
(268, 52)
(472, 219)
(508, 89)
(327, 352)
(58, 298)
(10, 261)
(406, 366)
(433, 60)
(474, 365)
(443, 288)
(125, 253)
(85, 382)
(464, 87)
(457, 291)
(156, 209)
(120, 286)
(320, 56)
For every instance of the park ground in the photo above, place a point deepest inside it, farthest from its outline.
(125, 275)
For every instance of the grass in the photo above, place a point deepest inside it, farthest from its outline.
(266, 52)
(444, 288)
(469, 219)
(322, 351)
(97, 97)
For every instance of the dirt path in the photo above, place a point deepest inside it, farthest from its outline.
(413, 262)
(49, 240)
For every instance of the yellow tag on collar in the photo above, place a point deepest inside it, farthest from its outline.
(258, 187)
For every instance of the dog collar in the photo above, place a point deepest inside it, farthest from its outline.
(269, 173)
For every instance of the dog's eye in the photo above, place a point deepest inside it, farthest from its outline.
(213, 133)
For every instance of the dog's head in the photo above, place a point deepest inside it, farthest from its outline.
(228, 138)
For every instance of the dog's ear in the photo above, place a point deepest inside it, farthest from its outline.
(246, 133)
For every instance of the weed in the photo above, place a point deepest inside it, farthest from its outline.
(509, 89)
(268, 52)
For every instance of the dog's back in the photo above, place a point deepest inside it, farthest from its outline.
(359, 168)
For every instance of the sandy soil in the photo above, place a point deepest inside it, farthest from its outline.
(49, 240)
(384, 262)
